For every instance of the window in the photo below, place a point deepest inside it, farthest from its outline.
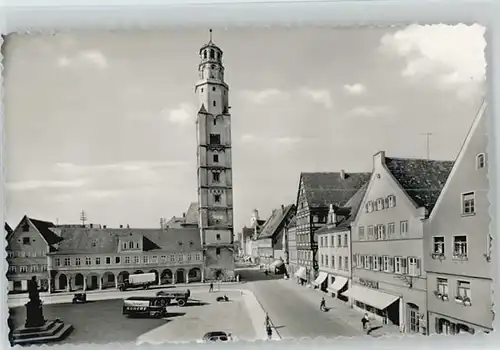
(468, 203)
(137, 259)
(198, 256)
(388, 264)
(57, 261)
(172, 257)
(131, 245)
(24, 269)
(375, 266)
(163, 258)
(391, 230)
(12, 269)
(380, 204)
(391, 201)
(127, 260)
(216, 177)
(145, 259)
(44, 268)
(326, 260)
(214, 103)
(322, 259)
(400, 264)
(217, 252)
(98, 261)
(362, 261)
(442, 286)
(26, 240)
(370, 232)
(403, 227)
(67, 261)
(340, 263)
(217, 236)
(212, 53)
(367, 262)
(205, 54)
(369, 207)
(189, 257)
(414, 266)
(117, 260)
(154, 259)
(345, 240)
(77, 262)
(217, 198)
(180, 257)
(460, 247)
(213, 88)
(346, 263)
(361, 233)
(333, 261)
(26, 228)
(214, 139)
(438, 245)
(124, 245)
(339, 241)
(380, 232)
(136, 245)
(480, 161)
(34, 268)
(463, 290)
(215, 158)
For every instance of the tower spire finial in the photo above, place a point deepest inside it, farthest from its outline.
(210, 32)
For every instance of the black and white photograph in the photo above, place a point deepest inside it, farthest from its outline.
(247, 183)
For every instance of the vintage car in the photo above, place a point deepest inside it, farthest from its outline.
(79, 298)
(180, 296)
(145, 306)
(217, 336)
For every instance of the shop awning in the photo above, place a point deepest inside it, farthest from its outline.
(276, 263)
(321, 278)
(337, 284)
(372, 297)
(301, 273)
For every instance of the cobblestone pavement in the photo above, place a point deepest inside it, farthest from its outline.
(232, 317)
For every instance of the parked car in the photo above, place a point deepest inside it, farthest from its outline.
(79, 298)
(180, 296)
(217, 336)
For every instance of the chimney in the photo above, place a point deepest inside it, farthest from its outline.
(121, 226)
(342, 174)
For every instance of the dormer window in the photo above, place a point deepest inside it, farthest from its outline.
(369, 206)
(480, 161)
(191, 244)
(137, 245)
(131, 245)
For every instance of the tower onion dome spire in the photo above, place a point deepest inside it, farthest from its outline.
(210, 45)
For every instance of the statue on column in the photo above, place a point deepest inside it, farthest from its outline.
(34, 311)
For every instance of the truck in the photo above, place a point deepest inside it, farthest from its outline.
(145, 306)
(143, 280)
(180, 296)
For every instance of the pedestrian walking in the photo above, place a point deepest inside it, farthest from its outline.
(267, 321)
(269, 332)
(211, 288)
(365, 321)
(322, 304)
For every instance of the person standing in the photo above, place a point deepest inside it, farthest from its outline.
(211, 287)
(269, 332)
(322, 304)
(365, 321)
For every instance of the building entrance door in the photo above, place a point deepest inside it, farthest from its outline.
(413, 316)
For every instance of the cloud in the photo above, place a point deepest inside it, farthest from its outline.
(132, 166)
(248, 138)
(287, 140)
(453, 54)
(87, 57)
(39, 184)
(369, 111)
(320, 96)
(183, 115)
(263, 96)
(355, 89)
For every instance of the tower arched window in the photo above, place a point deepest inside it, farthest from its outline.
(480, 161)
(215, 121)
(205, 54)
(218, 55)
(214, 103)
(212, 53)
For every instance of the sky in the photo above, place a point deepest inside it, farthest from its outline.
(105, 121)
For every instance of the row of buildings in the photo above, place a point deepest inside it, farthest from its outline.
(408, 242)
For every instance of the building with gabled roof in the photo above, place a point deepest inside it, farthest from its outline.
(388, 280)
(334, 246)
(457, 242)
(89, 258)
(8, 229)
(316, 191)
(27, 247)
(270, 238)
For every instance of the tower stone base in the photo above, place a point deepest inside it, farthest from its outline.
(219, 267)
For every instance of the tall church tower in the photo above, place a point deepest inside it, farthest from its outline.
(215, 188)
